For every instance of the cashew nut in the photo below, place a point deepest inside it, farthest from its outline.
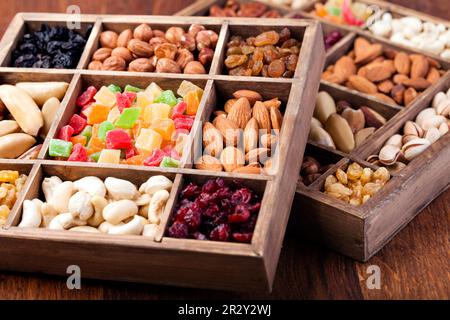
(118, 211)
(86, 229)
(157, 183)
(120, 189)
(65, 221)
(144, 199)
(156, 206)
(80, 205)
(31, 216)
(49, 185)
(61, 197)
(134, 227)
(99, 204)
(92, 185)
(150, 230)
(105, 226)
(48, 213)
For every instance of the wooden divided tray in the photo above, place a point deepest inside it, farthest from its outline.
(193, 263)
(359, 232)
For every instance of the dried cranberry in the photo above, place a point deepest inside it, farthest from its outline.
(220, 233)
(222, 193)
(245, 237)
(212, 210)
(210, 187)
(250, 224)
(221, 183)
(178, 230)
(254, 207)
(243, 195)
(191, 191)
(205, 199)
(193, 219)
(181, 212)
(240, 215)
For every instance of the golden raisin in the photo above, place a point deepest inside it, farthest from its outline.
(267, 38)
(276, 68)
(235, 60)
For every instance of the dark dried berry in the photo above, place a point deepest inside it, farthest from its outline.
(220, 233)
(178, 230)
(243, 195)
(243, 237)
(241, 214)
(193, 219)
(199, 236)
(191, 191)
(210, 187)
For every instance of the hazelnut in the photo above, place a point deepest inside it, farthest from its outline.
(174, 34)
(140, 48)
(188, 42)
(205, 56)
(95, 65)
(194, 67)
(195, 28)
(124, 37)
(123, 53)
(184, 56)
(166, 65)
(203, 40)
(166, 50)
(143, 32)
(141, 65)
(159, 33)
(101, 54)
(108, 39)
(213, 37)
(114, 64)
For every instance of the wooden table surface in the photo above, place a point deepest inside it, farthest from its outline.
(414, 265)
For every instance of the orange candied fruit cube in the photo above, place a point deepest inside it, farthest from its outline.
(95, 145)
(165, 127)
(321, 10)
(79, 139)
(97, 113)
(135, 160)
(192, 100)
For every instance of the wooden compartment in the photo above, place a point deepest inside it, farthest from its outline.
(182, 262)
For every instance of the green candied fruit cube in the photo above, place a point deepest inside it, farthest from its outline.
(60, 148)
(114, 89)
(95, 156)
(128, 118)
(87, 132)
(168, 162)
(103, 129)
(130, 88)
(167, 97)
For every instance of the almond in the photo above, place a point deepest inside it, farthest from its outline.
(251, 95)
(419, 66)
(269, 140)
(385, 86)
(344, 68)
(273, 103)
(384, 98)
(261, 114)
(362, 84)
(402, 63)
(364, 53)
(251, 135)
(417, 83)
(433, 75)
(240, 112)
(409, 95)
(229, 104)
(361, 45)
(276, 118)
(378, 71)
(399, 78)
(232, 158)
(208, 162)
(249, 169)
(228, 128)
(257, 155)
(212, 139)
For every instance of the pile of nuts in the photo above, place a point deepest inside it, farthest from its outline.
(114, 206)
(339, 126)
(269, 54)
(412, 32)
(11, 184)
(429, 126)
(394, 77)
(252, 9)
(27, 110)
(150, 50)
(356, 185)
(311, 170)
(217, 210)
(249, 128)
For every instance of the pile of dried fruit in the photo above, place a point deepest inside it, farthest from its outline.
(339, 126)
(294, 4)
(260, 123)
(11, 184)
(252, 9)
(412, 32)
(346, 12)
(51, 47)
(28, 109)
(217, 210)
(356, 185)
(150, 50)
(311, 170)
(114, 206)
(430, 125)
(394, 77)
(137, 127)
(269, 54)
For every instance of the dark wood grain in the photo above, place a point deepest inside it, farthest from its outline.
(414, 264)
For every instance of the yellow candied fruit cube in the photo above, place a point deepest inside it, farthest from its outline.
(4, 213)
(8, 176)
(105, 97)
(155, 111)
(165, 127)
(143, 99)
(153, 91)
(186, 87)
(109, 156)
(148, 140)
(113, 115)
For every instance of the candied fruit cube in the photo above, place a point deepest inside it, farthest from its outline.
(192, 100)
(169, 162)
(155, 111)
(105, 97)
(179, 110)
(60, 148)
(65, 133)
(186, 87)
(184, 122)
(103, 129)
(137, 160)
(95, 145)
(130, 88)
(79, 139)
(143, 99)
(153, 91)
(95, 156)
(86, 97)
(114, 88)
(109, 156)
(96, 113)
(148, 140)
(77, 123)
(9, 176)
(113, 115)
(155, 159)
(165, 127)
(79, 153)
(128, 118)
(167, 97)
(118, 139)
